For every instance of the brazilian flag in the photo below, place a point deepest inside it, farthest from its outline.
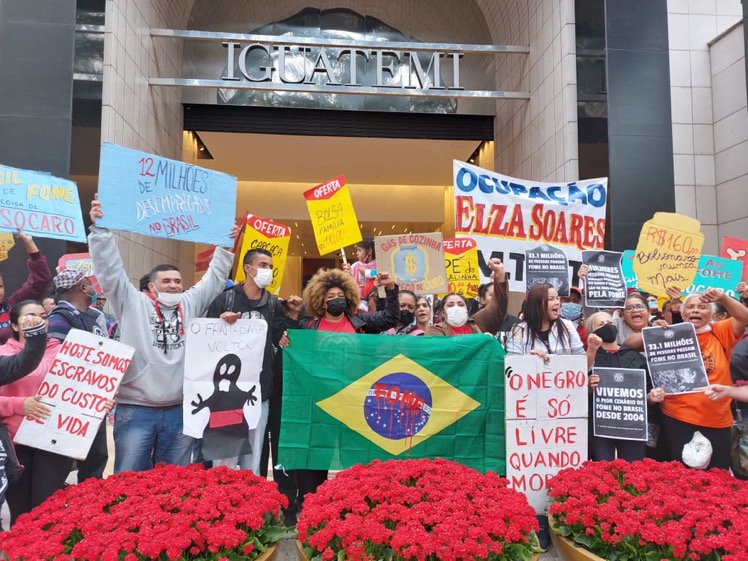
(350, 399)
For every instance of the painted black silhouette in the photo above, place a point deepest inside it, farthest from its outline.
(227, 432)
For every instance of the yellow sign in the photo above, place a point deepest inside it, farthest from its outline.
(333, 216)
(668, 252)
(261, 233)
(7, 241)
(448, 404)
(416, 261)
(461, 263)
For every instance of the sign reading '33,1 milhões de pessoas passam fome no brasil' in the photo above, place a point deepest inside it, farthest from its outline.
(163, 198)
(40, 204)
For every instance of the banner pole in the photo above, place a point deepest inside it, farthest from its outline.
(342, 256)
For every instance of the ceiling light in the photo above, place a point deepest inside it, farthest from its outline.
(393, 226)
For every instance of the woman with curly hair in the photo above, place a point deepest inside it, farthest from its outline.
(331, 299)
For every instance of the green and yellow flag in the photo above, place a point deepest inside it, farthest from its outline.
(350, 399)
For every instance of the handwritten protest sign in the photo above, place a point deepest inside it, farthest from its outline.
(716, 272)
(163, 198)
(85, 373)
(604, 286)
(40, 204)
(261, 233)
(333, 217)
(668, 252)
(461, 265)
(619, 404)
(547, 265)
(546, 421)
(627, 267)
(736, 250)
(517, 215)
(222, 393)
(674, 358)
(416, 261)
(7, 241)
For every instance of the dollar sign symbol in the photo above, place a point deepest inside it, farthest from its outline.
(410, 265)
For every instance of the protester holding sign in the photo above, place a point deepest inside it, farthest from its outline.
(34, 287)
(485, 320)
(604, 352)
(148, 424)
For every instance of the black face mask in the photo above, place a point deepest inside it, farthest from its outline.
(336, 306)
(607, 332)
(406, 317)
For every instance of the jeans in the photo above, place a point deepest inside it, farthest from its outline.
(256, 438)
(144, 436)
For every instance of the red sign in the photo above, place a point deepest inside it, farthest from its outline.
(736, 250)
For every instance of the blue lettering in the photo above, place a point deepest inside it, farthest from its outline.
(484, 185)
(576, 194)
(472, 180)
(552, 193)
(502, 186)
(596, 195)
(537, 193)
(518, 188)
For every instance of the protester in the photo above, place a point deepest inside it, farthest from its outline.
(75, 295)
(331, 299)
(148, 423)
(365, 264)
(486, 320)
(33, 289)
(44, 472)
(144, 282)
(684, 414)
(571, 307)
(485, 293)
(423, 313)
(407, 324)
(48, 303)
(720, 391)
(604, 352)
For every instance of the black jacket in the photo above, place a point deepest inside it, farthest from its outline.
(269, 307)
(372, 322)
(15, 367)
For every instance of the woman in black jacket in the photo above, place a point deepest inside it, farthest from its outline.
(604, 352)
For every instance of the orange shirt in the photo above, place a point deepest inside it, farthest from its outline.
(696, 408)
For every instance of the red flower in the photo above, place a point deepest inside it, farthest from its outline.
(417, 510)
(169, 512)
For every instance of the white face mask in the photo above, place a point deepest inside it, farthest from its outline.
(263, 278)
(457, 316)
(168, 299)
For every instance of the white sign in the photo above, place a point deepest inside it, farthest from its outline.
(86, 373)
(546, 421)
(509, 216)
(222, 394)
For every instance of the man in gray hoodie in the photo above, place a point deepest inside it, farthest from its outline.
(148, 418)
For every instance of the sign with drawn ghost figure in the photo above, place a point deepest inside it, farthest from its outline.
(86, 372)
(222, 384)
(416, 261)
(546, 264)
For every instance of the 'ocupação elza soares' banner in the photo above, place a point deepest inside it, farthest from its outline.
(508, 216)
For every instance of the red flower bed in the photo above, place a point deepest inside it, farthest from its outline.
(652, 510)
(169, 512)
(417, 510)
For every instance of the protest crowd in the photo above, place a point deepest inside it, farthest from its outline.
(153, 318)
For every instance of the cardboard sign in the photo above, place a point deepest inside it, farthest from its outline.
(547, 265)
(80, 262)
(261, 233)
(222, 396)
(416, 261)
(604, 285)
(674, 358)
(85, 373)
(40, 204)
(619, 404)
(508, 216)
(461, 265)
(333, 217)
(163, 198)
(668, 252)
(627, 267)
(736, 249)
(546, 421)
(717, 272)
(7, 241)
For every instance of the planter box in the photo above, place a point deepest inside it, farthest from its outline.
(302, 557)
(568, 551)
(269, 554)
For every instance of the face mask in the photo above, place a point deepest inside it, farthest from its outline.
(93, 297)
(168, 299)
(457, 316)
(571, 311)
(336, 306)
(263, 278)
(407, 317)
(607, 332)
